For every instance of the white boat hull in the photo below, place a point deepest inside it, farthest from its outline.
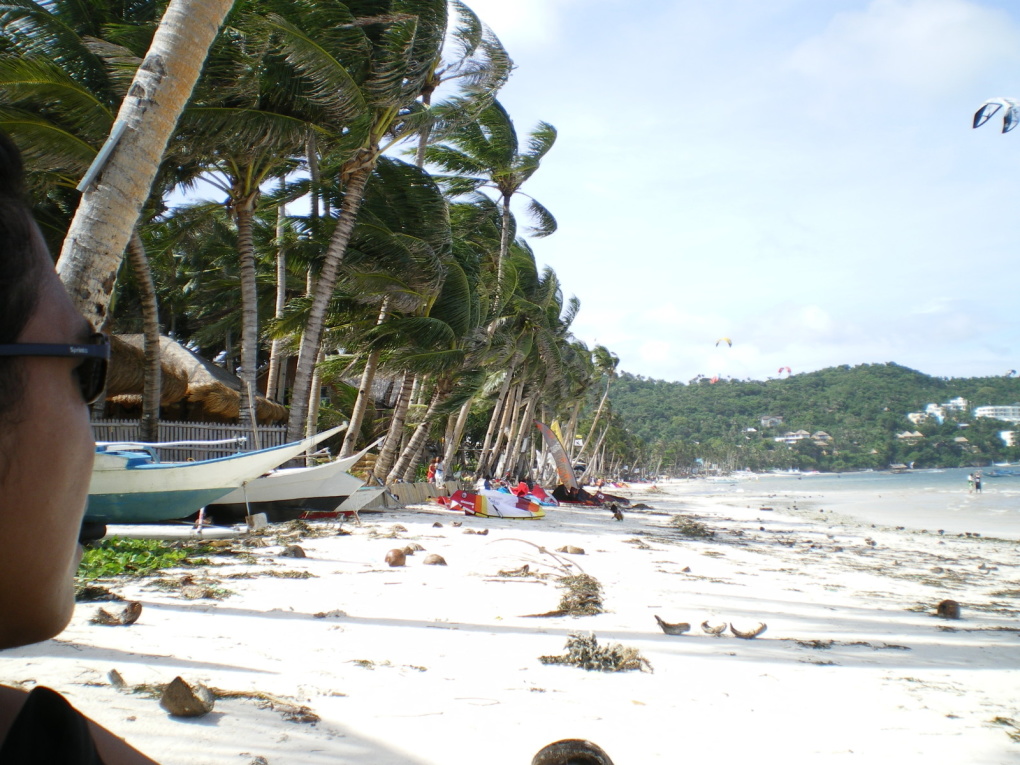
(131, 487)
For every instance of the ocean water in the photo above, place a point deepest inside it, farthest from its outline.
(921, 499)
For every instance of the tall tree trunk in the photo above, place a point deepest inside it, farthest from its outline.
(311, 339)
(453, 441)
(148, 427)
(417, 442)
(244, 210)
(490, 431)
(485, 456)
(312, 422)
(588, 469)
(411, 471)
(122, 174)
(595, 421)
(504, 253)
(391, 446)
(509, 412)
(276, 361)
(522, 432)
(364, 391)
(570, 434)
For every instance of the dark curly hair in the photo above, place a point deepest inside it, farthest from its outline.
(19, 269)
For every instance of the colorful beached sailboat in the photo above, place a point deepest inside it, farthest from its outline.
(130, 485)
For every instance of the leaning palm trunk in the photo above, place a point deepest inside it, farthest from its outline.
(504, 253)
(360, 404)
(118, 183)
(453, 441)
(522, 431)
(509, 412)
(588, 470)
(417, 442)
(311, 339)
(312, 423)
(594, 422)
(364, 391)
(244, 214)
(148, 427)
(570, 435)
(276, 349)
(494, 419)
(391, 446)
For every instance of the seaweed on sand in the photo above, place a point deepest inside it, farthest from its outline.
(582, 597)
(583, 650)
(691, 528)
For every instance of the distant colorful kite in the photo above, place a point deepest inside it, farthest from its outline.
(724, 340)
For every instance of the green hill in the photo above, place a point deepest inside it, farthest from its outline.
(862, 408)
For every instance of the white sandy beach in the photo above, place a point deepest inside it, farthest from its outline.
(440, 665)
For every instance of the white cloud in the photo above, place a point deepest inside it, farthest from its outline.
(523, 23)
(927, 47)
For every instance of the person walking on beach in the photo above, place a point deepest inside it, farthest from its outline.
(430, 474)
(977, 482)
(970, 483)
(52, 366)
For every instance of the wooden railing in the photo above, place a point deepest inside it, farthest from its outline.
(127, 430)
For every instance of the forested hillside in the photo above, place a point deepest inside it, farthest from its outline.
(862, 408)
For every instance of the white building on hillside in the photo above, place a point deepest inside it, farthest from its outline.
(1008, 413)
(792, 438)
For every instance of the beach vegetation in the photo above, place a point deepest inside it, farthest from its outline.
(690, 528)
(583, 650)
(137, 558)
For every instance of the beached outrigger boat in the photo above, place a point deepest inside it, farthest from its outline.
(130, 485)
(287, 493)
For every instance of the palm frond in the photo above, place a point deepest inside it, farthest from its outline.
(331, 85)
(545, 223)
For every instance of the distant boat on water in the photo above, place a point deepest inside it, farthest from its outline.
(1000, 474)
(130, 485)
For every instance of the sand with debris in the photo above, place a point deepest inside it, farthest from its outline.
(337, 657)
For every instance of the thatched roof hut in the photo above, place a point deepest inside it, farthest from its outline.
(196, 388)
(126, 379)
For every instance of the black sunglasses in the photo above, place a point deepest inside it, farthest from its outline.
(94, 353)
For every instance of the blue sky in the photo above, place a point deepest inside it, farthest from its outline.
(799, 176)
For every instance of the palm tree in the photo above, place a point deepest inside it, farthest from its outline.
(605, 363)
(244, 127)
(364, 65)
(118, 183)
(486, 154)
(61, 85)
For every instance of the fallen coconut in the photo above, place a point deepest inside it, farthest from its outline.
(434, 560)
(396, 557)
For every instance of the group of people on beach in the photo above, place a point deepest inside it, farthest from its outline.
(974, 482)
